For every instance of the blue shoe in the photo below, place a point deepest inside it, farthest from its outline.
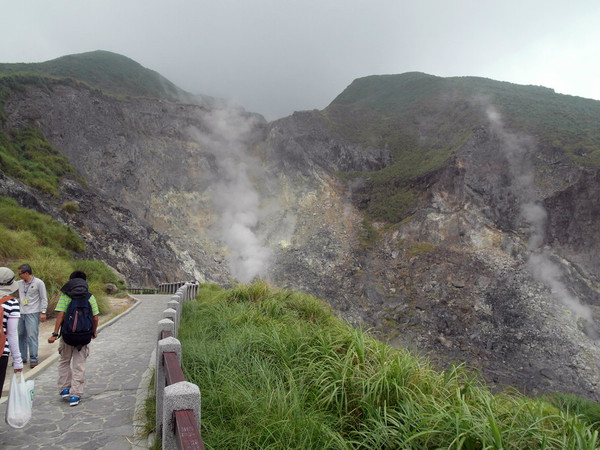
(64, 393)
(73, 400)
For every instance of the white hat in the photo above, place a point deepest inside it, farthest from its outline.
(8, 285)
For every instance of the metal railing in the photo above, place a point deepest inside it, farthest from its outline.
(177, 400)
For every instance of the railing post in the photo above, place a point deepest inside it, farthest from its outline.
(170, 313)
(165, 325)
(179, 396)
(169, 344)
(175, 305)
(178, 297)
(185, 291)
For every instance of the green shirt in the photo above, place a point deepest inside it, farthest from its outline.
(64, 300)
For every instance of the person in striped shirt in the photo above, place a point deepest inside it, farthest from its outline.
(10, 311)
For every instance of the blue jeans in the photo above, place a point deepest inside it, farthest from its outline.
(29, 326)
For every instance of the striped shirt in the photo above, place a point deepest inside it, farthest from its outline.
(11, 309)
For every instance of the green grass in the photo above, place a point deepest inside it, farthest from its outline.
(277, 370)
(27, 236)
(42, 229)
(28, 156)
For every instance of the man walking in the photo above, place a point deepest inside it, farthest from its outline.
(76, 307)
(34, 301)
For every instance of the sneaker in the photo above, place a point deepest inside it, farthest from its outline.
(73, 400)
(64, 393)
(33, 364)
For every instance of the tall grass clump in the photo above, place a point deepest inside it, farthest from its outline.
(47, 231)
(587, 410)
(277, 370)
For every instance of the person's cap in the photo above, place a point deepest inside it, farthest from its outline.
(8, 285)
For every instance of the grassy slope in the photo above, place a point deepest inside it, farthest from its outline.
(27, 236)
(26, 155)
(277, 370)
(109, 72)
(423, 119)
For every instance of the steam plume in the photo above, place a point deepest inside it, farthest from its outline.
(235, 197)
(517, 149)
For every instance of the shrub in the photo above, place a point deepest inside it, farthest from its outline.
(70, 207)
(420, 248)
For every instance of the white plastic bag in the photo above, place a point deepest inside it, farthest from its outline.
(20, 401)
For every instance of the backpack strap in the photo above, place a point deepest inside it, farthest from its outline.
(2, 333)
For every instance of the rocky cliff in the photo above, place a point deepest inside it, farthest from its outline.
(494, 263)
(483, 271)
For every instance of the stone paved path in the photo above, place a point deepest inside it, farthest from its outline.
(117, 366)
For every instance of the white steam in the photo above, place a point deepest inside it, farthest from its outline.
(235, 197)
(517, 149)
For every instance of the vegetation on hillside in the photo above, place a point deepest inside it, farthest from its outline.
(110, 72)
(27, 156)
(423, 120)
(277, 370)
(27, 236)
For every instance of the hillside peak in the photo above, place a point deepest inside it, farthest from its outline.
(110, 72)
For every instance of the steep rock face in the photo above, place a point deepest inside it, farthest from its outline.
(573, 219)
(111, 233)
(301, 142)
(138, 153)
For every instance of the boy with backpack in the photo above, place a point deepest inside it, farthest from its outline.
(77, 322)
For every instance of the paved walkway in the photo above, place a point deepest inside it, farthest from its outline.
(117, 376)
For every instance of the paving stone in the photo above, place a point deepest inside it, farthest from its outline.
(105, 417)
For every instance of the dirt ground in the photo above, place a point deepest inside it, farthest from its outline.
(45, 350)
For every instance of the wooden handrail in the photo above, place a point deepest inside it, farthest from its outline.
(173, 371)
(186, 432)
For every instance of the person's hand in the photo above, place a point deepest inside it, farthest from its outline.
(42, 317)
(51, 339)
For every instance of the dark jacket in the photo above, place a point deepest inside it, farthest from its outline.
(77, 287)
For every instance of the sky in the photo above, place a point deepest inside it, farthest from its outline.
(275, 57)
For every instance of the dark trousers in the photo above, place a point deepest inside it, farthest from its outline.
(3, 366)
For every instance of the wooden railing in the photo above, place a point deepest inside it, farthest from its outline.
(172, 288)
(177, 400)
(142, 291)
